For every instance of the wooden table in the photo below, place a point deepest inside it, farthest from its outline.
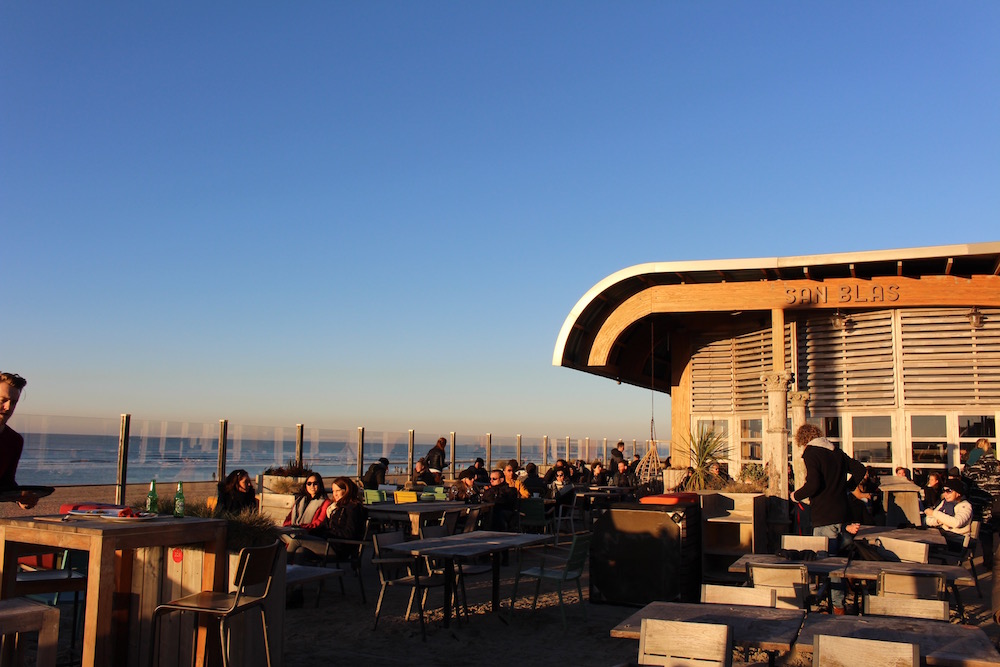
(931, 536)
(414, 513)
(763, 628)
(464, 546)
(111, 545)
(858, 570)
(940, 643)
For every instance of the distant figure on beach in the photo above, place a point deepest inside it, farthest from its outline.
(236, 494)
(435, 460)
(375, 476)
(307, 515)
(11, 442)
(421, 475)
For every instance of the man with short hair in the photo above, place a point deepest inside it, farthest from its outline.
(617, 454)
(421, 475)
(11, 442)
(512, 480)
(829, 474)
(503, 498)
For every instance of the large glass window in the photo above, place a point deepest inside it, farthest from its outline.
(973, 427)
(752, 439)
(872, 439)
(929, 439)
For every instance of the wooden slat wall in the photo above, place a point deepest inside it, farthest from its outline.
(851, 367)
(948, 363)
(726, 370)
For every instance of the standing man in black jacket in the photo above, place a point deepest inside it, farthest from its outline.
(829, 474)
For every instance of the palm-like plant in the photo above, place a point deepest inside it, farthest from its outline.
(706, 448)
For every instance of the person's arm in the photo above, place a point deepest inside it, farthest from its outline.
(319, 517)
(813, 479)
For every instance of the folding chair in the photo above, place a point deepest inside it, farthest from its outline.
(414, 579)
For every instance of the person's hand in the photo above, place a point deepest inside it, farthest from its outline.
(928, 511)
(28, 500)
(853, 528)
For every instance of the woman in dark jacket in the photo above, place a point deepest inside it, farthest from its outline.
(236, 494)
(345, 517)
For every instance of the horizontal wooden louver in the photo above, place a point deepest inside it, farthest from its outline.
(726, 371)
(946, 361)
(850, 366)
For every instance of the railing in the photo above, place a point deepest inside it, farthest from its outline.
(63, 450)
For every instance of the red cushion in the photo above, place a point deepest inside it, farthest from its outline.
(671, 499)
(67, 507)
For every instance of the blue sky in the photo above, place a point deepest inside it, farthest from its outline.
(381, 213)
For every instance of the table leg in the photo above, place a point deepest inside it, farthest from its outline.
(495, 599)
(449, 588)
(97, 640)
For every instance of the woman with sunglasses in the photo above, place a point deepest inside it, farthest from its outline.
(307, 514)
(236, 494)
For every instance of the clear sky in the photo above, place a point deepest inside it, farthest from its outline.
(380, 213)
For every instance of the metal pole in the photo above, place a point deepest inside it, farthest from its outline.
(517, 449)
(122, 459)
(545, 451)
(361, 451)
(223, 446)
(298, 444)
(489, 452)
(409, 454)
(568, 456)
(604, 459)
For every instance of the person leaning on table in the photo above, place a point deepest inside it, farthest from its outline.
(953, 514)
(11, 442)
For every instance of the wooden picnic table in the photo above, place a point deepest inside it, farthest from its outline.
(940, 643)
(764, 628)
(112, 545)
(465, 546)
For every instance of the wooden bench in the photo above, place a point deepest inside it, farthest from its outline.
(299, 575)
(19, 615)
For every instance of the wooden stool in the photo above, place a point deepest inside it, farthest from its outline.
(22, 615)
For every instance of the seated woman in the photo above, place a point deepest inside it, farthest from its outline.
(236, 494)
(561, 490)
(307, 515)
(345, 517)
(953, 514)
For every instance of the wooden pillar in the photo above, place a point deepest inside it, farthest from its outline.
(409, 454)
(517, 449)
(361, 452)
(299, 433)
(223, 446)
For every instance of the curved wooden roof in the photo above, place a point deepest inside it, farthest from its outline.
(603, 335)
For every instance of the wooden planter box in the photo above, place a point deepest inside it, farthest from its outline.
(274, 501)
(180, 575)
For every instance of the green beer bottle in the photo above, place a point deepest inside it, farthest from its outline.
(152, 500)
(179, 500)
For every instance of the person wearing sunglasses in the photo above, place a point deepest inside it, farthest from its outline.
(953, 515)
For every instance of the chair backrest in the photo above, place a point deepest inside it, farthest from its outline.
(879, 605)
(904, 550)
(832, 651)
(973, 533)
(682, 643)
(255, 567)
(405, 496)
(789, 580)
(532, 512)
(579, 549)
(374, 496)
(754, 597)
(379, 542)
(430, 531)
(450, 520)
(815, 543)
(924, 585)
(471, 520)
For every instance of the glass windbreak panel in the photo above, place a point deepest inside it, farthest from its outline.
(872, 439)
(502, 449)
(67, 450)
(531, 450)
(929, 435)
(333, 452)
(393, 445)
(751, 439)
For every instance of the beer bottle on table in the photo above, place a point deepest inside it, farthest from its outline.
(179, 500)
(152, 500)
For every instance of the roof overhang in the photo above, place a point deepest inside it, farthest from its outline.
(602, 329)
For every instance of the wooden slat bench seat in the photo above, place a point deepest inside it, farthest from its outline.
(19, 615)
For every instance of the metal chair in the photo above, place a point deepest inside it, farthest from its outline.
(684, 643)
(567, 512)
(62, 577)
(353, 551)
(531, 516)
(417, 581)
(569, 569)
(832, 651)
(253, 572)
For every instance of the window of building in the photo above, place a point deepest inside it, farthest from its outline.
(929, 440)
(973, 427)
(872, 439)
(752, 439)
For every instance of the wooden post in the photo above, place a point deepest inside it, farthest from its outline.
(122, 459)
(299, 428)
(223, 446)
(361, 451)
(545, 451)
(489, 452)
(517, 448)
(409, 454)
(454, 470)
(604, 459)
